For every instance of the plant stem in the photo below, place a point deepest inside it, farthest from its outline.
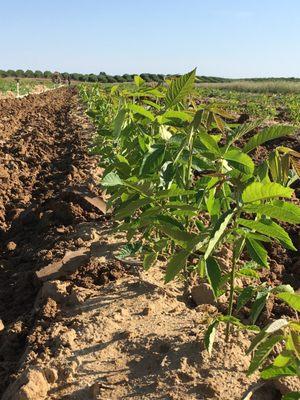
(188, 181)
(230, 307)
(190, 160)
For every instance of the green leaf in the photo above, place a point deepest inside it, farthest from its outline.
(262, 171)
(201, 267)
(257, 307)
(235, 321)
(219, 122)
(248, 272)
(292, 395)
(242, 130)
(118, 122)
(214, 275)
(209, 142)
(292, 299)
(295, 326)
(180, 88)
(269, 228)
(262, 352)
(244, 297)
(271, 328)
(295, 341)
(152, 104)
(210, 201)
(122, 159)
(173, 114)
(174, 192)
(261, 191)
(238, 247)
(129, 208)
(152, 160)
(283, 359)
(128, 250)
(149, 260)
(140, 187)
(210, 335)
(176, 234)
(141, 110)
(277, 372)
(218, 231)
(166, 219)
(267, 134)
(138, 80)
(251, 235)
(257, 252)
(279, 166)
(283, 288)
(180, 206)
(111, 179)
(239, 160)
(281, 210)
(276, 325)
(176, 263)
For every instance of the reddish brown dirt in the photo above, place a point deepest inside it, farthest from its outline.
(44, 153)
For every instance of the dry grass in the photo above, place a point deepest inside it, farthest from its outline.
(276, 86)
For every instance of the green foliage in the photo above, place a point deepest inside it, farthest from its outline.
(287, 362)
(292, 299)
(179, 89)
(268, 134)
(47, 74)
(168, 163)
(38, 74)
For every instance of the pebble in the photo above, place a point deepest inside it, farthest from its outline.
(11, 246)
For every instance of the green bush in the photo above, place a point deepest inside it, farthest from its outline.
(38, 74)
(111, 79)
(92, 78)
(47, 74)
(128, 78)
(29, 74)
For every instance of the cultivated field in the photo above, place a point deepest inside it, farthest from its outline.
(259, 86)
(9, 86)
(150, 243)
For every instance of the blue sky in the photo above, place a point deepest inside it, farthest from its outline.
(230, 38)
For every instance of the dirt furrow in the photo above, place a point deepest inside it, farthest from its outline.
(44, 169)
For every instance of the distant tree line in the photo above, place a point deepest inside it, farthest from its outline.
(101, 77)
(104, 78)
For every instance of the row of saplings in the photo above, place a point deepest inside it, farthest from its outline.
(183, 184)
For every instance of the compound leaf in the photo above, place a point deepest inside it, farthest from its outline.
(257, 252)
(267, 134)
(176, 263)
(180, 88)
(292, 299)
(281, 210)
(257, 191)
(262, 352)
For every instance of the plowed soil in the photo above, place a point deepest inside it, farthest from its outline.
(77, 323)
(45, 172)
